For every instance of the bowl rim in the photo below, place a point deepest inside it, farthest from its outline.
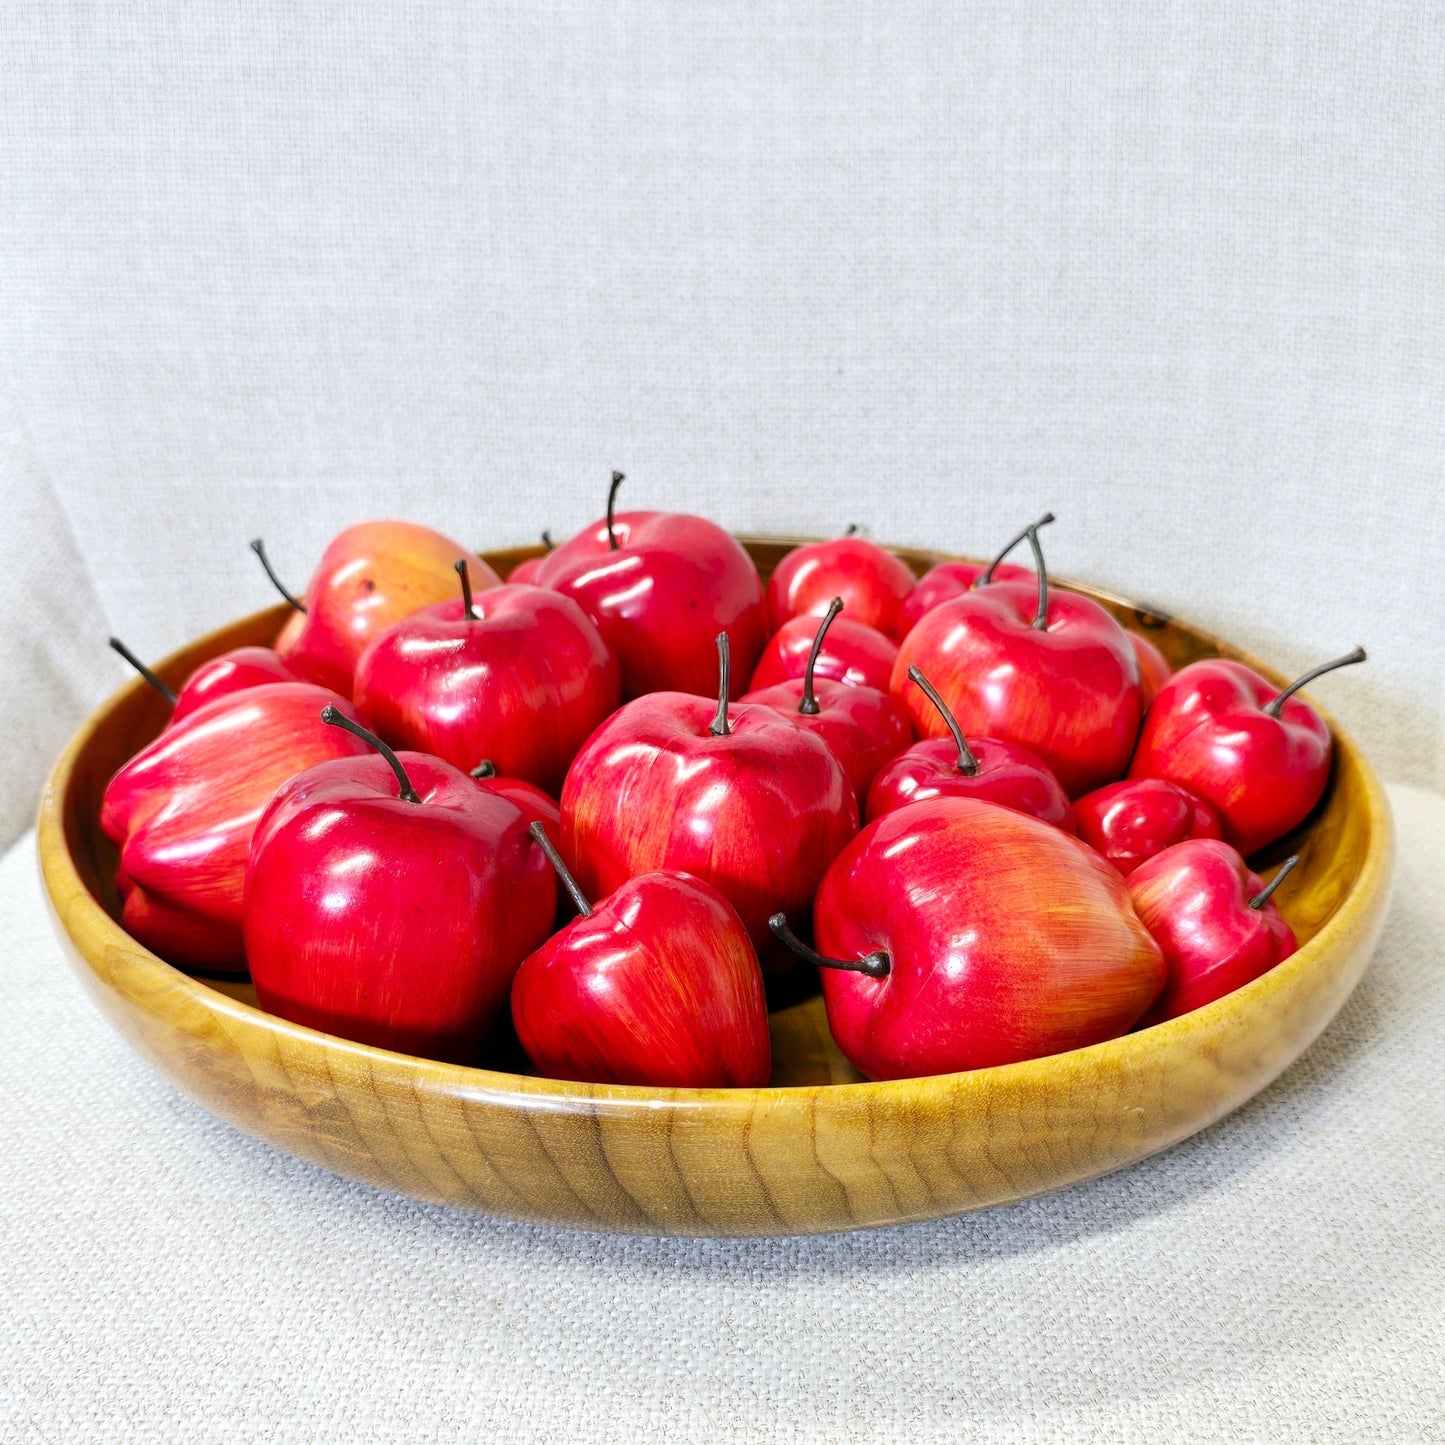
(67, 893)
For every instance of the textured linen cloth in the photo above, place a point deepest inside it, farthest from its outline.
(1280, 1276)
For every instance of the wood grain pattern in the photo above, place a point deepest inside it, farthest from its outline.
(815, 1151)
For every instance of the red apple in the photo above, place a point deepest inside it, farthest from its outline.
(1212, 918)
(1131, 821)
(735, 795)
(988, 769)
(391, 900)
(537, 806)
(863, 726)
(656, 984)
(518, 675)
(659, 585)
(372, 575)
(957, 935)
(1258, 754)
(947, 580)
(1049, 670)
(185, 807)
(526, 571)
(872, 582)
(232, 671)
(853, 654)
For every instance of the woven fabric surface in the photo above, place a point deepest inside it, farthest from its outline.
(1279, 1276)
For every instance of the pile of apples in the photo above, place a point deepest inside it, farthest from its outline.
(630, 783)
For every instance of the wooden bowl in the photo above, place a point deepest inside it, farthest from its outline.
(817, 1150)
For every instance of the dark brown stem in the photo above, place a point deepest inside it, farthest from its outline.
(1041, 617)
(986, 576)
(338, 719)
(851, 529)
(540, 838)
(547, 541)
(718, 727)
(809, 704)
(468, 611)
(1275, 703)
(259, 548)
(165, 691)
(1267, 892)
(617, 480)
(873, 965)
(967, 763)
(484, 769)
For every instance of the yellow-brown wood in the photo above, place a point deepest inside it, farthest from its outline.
(816, 1151)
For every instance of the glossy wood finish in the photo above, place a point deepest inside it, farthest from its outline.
(817, 1150)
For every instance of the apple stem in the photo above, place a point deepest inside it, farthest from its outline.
(718, 727)
(338, 719)
(547, 541)
(484, 769)
(967, 763)
(873, 965)
(986, 576)
(809, 704)
(540, 838)
(468, 611)
(617, 479)
(166, 692)
(1267, 892)
(259, 548)
(1273, 706)
(851, 529)
(1041, 617)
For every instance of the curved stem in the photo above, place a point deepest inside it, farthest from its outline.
(1275, 703)
(540, 838)
(165, 691)
(468, 611)
(484, 769)
(259, 548)
(338, 719)
(809, 704)
(986, 576)
(718, 727)
(1041, 617)
(967, 763)
(874, 965)
(617, 480)
(547, 541)
(1267, 892)
(851, 529)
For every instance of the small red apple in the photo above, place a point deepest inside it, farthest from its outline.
(1131, 821)
(872, 582)
(853, 654)
(947, 580)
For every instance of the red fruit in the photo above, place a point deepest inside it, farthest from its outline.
(659, 586)
(1154, 669)
(987, 769)
(947, 580)
(1131, 821)
(736, 796)
(1259, 755)
(526, 571)
(393, 915)
(1051, 671)
(372, 575)
(980, 937)
(185, 807)
(656, 984)
(872, 582)
(853, 654)
(863, 726)
(536, 806)
(519, 675)
(1212, 918)
(229, 673)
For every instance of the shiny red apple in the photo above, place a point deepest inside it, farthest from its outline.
(863, 726)
(184, 808)
(988, 769)
(539, 807)
(655, 984)
(872, 582)
(1213, 919)
(947, 580)
(853, 654)
(1257, 753)
(370, 576)
(956, 934)
(1130, 821)
(391, 900)
(230, 672)
(527, 570)
(518, 674)
(1048, 669)
(659, 586)
(735, 795)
